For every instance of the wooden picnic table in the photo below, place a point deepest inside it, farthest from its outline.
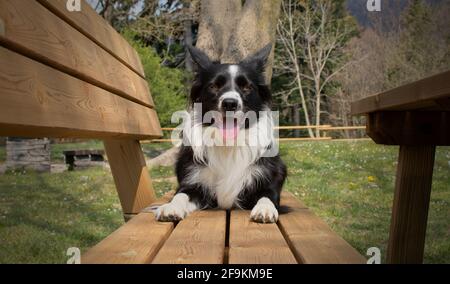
(415, 116)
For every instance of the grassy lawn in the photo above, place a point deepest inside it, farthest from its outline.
(349, 185)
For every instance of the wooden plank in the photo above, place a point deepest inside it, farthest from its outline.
(411, 202)
(34, 31)
(135, 242)
(198, 239)
(311, 240)
(39, 101)
(409, 127)
(130, 174)
(423, 94)
(97, 29)
(255, 243)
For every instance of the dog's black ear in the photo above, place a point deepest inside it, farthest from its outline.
(259, 59)
(199, 57)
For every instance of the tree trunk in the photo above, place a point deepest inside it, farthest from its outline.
(229, 32)
(188, 40)
(217, 18)
(296, 110)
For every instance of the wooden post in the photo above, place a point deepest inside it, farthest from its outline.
(130, 174)
(411, 202)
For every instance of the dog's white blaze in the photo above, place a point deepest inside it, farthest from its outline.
(233, 70)
(264, 210)
(179, 206)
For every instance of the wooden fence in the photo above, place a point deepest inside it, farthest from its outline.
(324, 129)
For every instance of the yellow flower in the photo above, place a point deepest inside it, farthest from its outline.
(370, 178)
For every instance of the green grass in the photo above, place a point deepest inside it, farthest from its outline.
(2, 154)
(349, 185)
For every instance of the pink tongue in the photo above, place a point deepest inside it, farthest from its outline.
(229, 130)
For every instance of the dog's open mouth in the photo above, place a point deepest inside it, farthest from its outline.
(229, 128)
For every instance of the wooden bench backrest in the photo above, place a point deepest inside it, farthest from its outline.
(69, 74)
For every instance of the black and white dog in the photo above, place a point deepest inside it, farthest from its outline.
(223, 176)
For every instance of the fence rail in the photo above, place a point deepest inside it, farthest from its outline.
(323, 128)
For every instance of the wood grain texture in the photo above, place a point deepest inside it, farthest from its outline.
(255, 243)
(97, 29)
(311, 239)
(411, 202)
(33, 30)
(135, 242)
(198, 239)
(425, 94)
(409, 127)
(39, 101)
(130, 173)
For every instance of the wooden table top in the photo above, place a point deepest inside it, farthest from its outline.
(430, 94)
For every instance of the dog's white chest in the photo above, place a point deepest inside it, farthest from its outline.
(229, 171)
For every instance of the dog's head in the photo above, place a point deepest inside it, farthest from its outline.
(230, 91)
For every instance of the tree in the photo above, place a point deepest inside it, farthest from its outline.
(422, 43)
(230, 30)
(312, 37)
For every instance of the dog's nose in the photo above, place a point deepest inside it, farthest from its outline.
(230, 104)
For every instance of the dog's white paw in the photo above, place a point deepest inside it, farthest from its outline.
(176, 210)
(169, 213)
(264, 211)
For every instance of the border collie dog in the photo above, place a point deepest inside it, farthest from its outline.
(234, 175)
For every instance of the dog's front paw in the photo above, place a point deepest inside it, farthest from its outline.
(264, 212)
(176, 210)
(169, 213)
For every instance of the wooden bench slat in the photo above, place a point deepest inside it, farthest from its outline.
(198, 239)
(39, 101)
(137, 241)
(31, 29)
(254, 243)
(311, 239)
(88, 22)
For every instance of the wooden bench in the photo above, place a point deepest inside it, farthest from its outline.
(415, 116)
(69, 74)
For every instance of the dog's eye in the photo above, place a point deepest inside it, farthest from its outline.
(247, 89)
(214, 88)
